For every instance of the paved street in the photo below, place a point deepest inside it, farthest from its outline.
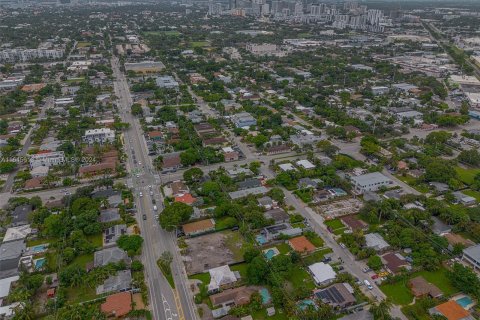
(166, 303)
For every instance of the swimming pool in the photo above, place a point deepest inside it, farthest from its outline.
(304, 304)
(269, 254)
(266, 297)
(464, 301)
(39, 248)
(39, 263)
(261, 239)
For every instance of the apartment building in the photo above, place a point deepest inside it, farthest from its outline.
(47, 159)
(103, 135)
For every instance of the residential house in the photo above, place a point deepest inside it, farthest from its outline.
(221, 278)
(122, 281)
(305, 183)
(179, 188)
(376, 241)
(472, 256)
(237, 171)
(117, 305)
(17, 233)
(301, 245)
(166, 82)
(439, 227)
(421, 288)
(198, 227)
(278, 215)
(111, 235)
(353, 223)
(109, 215)
(322, 273)
(244, 120)
(103, 168)
(338, 295)
(20, 214)
(464, 199)
(10, 253)
(249, 183)
(395, 262)
(171, 163)
(110, 255)
(305, 164)
(281, 229)
(232, 297)
(283, 148)
(39, 172)
(267, 202)
(243, 193)
(451, 310)
(186, 198)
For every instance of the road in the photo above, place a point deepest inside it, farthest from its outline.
(27, 142)
(166, 303)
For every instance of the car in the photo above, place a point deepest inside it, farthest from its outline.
(139, 163)
(144, 217)
(375, 276)
(138, 176)
(340, 268)
(153, 201)
(342, 245)
(151, 192)
(155, 208)
(366, 270)
(383, 274)
(140, 194)
(367, 284)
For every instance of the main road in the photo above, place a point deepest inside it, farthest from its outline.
(166, 302)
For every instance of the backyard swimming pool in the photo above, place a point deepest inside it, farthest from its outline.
(266, 297)
(261, 239)
(39, 248)
(39, 263)
(464, 301)
(270, 253)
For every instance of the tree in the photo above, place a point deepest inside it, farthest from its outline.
(277, 195)
(257, 270)
(375, 262)
(439, 170)
(465, 278)
(470, 157)
(328, 148)
(254, 166)
(137, 265)
(6, 167)
(130, 243)
(175, 214)
(193, 175)
(189, 157)
(381, 311)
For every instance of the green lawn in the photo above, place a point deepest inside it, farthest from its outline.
(299, 277)
(334, 224)
(235, 242)
(400, 294)
(225, 223)
(283, 248)
(96, 240)
(83, 259)
(167, 33)
(305, 194)
(262, 315)
(316, 241)
(473, 193)
(83, 44)
(317, 256)
(36, 242)
(466, 175)
(439, 278)
(80, 294)
(241, 268)
(204, 277)
(199, 44)
(412, 182)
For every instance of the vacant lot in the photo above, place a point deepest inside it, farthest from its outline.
(213, 250)
(466, 175)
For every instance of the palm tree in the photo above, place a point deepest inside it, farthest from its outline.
(381, 311)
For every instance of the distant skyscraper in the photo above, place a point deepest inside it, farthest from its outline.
(298, 9)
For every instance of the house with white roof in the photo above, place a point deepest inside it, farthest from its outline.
(221, 278)
(305, 164)
(322, 273)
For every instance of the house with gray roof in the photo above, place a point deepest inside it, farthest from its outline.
(370, 182)
(122, 281)
(111, 235)
(109, 215)
(243, 193)
(110, 255)
(10, 253)
(376, 241)
(472, 256)
(20, 215)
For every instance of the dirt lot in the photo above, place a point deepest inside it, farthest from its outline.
(340, 208)
(213, 250)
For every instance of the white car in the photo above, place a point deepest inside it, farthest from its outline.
(155, 208)
(140, 194)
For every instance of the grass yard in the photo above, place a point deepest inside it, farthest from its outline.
(398, 292)
(96, 240)
(416, 311)
(80, 294)
(300, 278)
(334, 224)
(316, 240)
(305, 194)
(241, 268)
(83, 259)
(439, 278)
(473, 193)
(83, 44)
(234, 241)
(199, 44)
(466, 175)
(225, 223)
(204, 277)
(262, 315)
(412, 182)
(173, 33)
(283, 248)
(36, 242)
(317, 256)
